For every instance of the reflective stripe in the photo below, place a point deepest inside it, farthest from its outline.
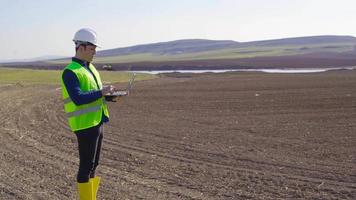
(83, 111)
(67, 100)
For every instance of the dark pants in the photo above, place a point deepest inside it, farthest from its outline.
(89, 145)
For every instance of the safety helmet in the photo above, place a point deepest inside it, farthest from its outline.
(86, 35)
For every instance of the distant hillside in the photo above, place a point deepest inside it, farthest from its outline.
(171, 48)
(42, 58)
(200, 45)
(311, 40)
(313, 51)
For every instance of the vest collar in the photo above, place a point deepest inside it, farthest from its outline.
(81, 62)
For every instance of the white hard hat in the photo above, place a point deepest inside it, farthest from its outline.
(86, 35)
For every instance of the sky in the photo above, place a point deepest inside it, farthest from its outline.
(36, 28)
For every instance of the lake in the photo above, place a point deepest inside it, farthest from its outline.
(289, 70)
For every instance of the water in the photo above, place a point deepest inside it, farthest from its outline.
(294, 71)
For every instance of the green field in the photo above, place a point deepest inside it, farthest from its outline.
(53, 77)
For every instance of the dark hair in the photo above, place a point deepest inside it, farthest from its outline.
(81, 43)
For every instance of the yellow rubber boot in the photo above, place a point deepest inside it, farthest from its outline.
(85, 191)
(95, 181)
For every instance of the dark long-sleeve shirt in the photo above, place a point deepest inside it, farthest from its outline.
(72, 85)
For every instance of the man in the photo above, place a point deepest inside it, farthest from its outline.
(86, 109)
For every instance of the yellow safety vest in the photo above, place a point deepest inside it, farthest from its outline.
(87, 115)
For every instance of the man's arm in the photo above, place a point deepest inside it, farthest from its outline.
(79, 97)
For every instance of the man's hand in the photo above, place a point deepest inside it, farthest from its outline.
(107, 89)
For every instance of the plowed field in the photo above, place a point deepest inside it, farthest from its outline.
(211, 136)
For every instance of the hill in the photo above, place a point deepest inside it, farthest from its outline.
(171, 48)
(211, 47)
(312, 51)
(200, 45)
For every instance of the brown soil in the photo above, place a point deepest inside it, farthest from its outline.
(212, 136)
